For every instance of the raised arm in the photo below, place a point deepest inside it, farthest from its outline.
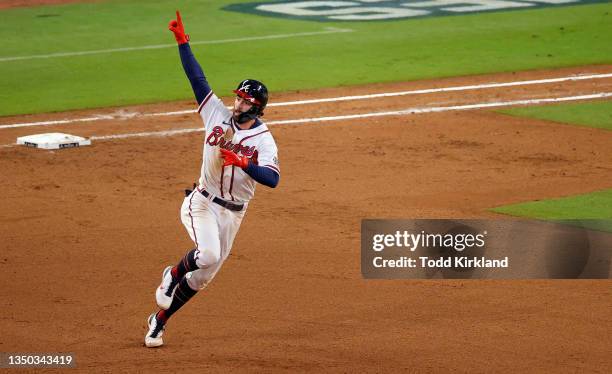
(192, 68)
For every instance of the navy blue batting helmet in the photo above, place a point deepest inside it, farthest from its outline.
(254, 92)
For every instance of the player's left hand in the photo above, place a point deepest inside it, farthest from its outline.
(230, 158)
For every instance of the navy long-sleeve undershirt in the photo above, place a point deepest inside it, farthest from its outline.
(201, 88)
(194, 73)
(263, 175)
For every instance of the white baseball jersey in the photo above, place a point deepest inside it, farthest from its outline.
(232, 183)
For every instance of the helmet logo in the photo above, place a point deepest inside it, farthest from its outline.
(244, 87)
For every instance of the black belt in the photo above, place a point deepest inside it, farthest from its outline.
(226, 204)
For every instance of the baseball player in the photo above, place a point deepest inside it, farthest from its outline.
(239, 152)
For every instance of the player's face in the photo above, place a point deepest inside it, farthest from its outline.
(241, 105)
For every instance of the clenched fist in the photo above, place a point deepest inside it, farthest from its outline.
(230, 158)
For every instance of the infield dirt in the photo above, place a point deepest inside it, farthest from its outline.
(86, 233)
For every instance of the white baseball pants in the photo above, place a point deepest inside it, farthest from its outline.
(213, 229)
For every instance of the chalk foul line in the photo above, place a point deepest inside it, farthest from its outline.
(323, 100)
(328, 30)
(408, 111)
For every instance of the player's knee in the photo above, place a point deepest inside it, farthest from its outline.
(207, 258)
(197, 280)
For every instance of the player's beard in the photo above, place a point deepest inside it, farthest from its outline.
(236, 114)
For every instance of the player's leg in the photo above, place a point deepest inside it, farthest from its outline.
(201, 224)
(228, 232)
(187, 287)
(229, 223)
(200, 220)
(198, 271)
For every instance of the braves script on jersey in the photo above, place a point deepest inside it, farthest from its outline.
(257, 143)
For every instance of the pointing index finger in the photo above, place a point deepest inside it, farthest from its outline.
(178, 17)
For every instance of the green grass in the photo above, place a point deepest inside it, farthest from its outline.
(592, 114)
(374, 52)
(594, 210)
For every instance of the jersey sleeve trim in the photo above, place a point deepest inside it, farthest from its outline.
(274, 168)
(205, 101)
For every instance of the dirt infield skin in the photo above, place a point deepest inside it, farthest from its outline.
(86, 232)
